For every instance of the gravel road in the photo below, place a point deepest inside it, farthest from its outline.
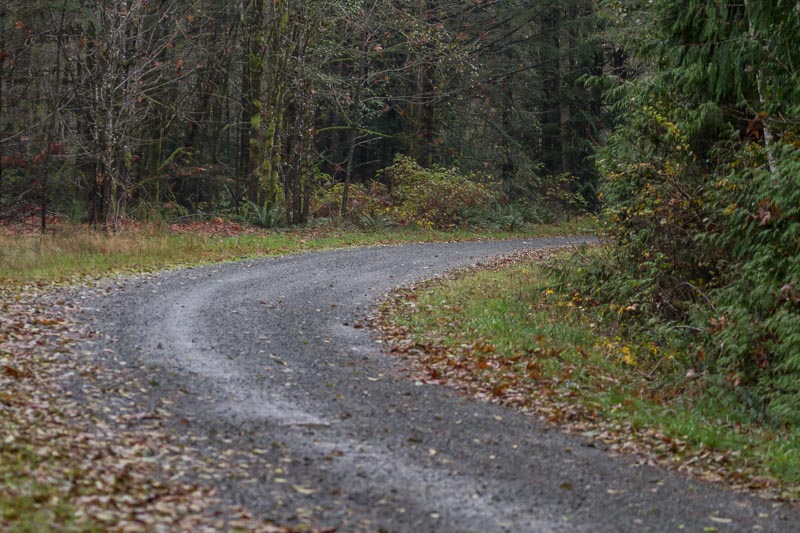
(267, 355)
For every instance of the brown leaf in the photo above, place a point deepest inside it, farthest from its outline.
(12, 372)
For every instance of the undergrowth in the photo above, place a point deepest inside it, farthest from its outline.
(407, 195)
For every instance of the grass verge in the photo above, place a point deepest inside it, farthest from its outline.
(506, 333)
(75, 251)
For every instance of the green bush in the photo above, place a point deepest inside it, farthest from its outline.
(654, 207)
(713, 252)
(436, 198)
(702, 198)
(755, 323)
(265, 217)
(365, 202)
(506, 216)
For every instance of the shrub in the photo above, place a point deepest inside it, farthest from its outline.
(655, 206)
(370, 201)
(755, 324)
(265, 217)
(436, 197)
(703, 204)
(506, 216)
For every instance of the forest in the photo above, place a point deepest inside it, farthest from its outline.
(276, 112)
(678, 123)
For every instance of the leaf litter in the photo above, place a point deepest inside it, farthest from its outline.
(77, 450)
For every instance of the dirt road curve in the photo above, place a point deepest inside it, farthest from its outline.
(267, 357)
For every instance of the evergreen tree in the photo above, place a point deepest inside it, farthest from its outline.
(701, 189)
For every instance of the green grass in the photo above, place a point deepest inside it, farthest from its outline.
(76, 251)
(521, 313)
(27, 505)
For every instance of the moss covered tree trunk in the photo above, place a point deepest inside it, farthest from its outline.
(251, 155)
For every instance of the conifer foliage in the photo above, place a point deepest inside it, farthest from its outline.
(701, 190)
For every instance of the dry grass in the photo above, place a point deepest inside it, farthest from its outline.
(72, 252)
(77, 251)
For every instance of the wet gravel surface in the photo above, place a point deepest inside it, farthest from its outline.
(268, 357)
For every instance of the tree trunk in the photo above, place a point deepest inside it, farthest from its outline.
(252, 106)
(565, 42)
(306, 164)
(769, 135)
(2, 109)
(348, 173)
(507, 167)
